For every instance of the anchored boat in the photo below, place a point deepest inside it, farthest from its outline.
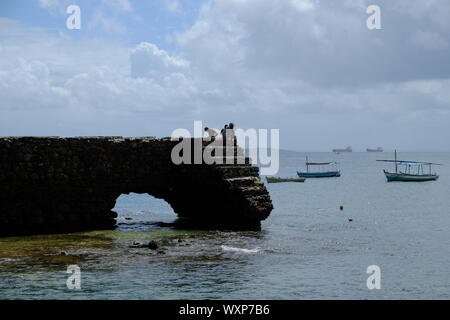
(413, 171)
(278, 180)
(320, 173)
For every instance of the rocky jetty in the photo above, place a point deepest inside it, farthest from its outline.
(52, 184)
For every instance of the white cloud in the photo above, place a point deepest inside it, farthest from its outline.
(173, 6)
(307, 67)
(61, 5)
(54, 7)
(50, 72)
(148, 60)
(27, 85)
(106, 23)
(303, 5)
(48, 3)
(121, 5)
(325, 43)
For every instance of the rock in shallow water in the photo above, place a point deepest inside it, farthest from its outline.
(153, 245)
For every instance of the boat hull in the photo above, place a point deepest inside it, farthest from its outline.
(409, 177)
(278, 180)
(327, 174)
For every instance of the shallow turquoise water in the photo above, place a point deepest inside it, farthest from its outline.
(307, 249)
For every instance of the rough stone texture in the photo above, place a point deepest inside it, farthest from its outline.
(52, 184)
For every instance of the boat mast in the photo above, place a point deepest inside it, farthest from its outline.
(396, 162)
(307, 166)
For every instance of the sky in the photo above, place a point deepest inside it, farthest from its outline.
(310, 68)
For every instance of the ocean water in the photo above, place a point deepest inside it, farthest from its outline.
(307, 248)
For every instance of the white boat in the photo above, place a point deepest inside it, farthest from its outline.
(409, 174)
(407, 177)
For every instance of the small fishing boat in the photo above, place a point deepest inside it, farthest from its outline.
(409, 174)
(320, 173)
(278, 180)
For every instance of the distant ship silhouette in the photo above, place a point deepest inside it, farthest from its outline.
(348, 149)
(379, 149)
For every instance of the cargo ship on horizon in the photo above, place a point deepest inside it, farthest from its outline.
(379, 149)
(348, 149)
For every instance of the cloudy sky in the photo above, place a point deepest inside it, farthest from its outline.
(310, 68)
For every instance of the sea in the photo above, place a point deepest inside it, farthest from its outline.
(389, 241)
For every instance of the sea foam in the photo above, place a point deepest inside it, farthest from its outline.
(240, 250)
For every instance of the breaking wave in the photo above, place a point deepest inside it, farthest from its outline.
(240, 250)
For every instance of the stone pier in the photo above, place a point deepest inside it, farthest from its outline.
(55, 185)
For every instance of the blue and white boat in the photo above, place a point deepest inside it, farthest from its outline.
(413, 171)
(320, 173)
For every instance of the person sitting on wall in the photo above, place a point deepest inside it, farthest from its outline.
(223, 132)
(211, 133)
(230, 133)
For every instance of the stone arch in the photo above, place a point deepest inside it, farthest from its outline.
(52, 184)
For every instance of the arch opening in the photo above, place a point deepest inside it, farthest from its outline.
(142, 211)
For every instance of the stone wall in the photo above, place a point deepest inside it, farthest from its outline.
(52, 184)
